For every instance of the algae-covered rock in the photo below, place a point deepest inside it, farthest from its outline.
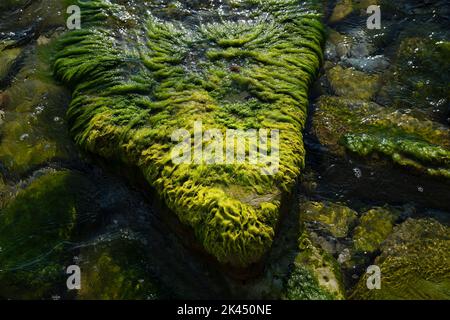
(35, 229)
(374, 227)
(130, 95)
(315, 274)
(336, 219)
(116, 270)
(417, 80)
(352, 83)
(368, 130)
(33, 130)
(7, 58)
(342, 9)
(414, 263)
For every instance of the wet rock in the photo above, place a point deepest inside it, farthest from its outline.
(116, 270)
(315, 274)
(414, 263)
(342, 9)
(333, 218)
(371, 64)
(30, 135)
(35, 229)
(340, 43)
(352, 83)
(368, 129)
(374, 227)
(7, 58)
(232, 209)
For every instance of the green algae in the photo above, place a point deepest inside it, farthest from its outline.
(353, 84)
(116, 270)
(414, 264)
(336, 219)
(374, 227)
(7, 59)
(367, 129)
(35, 229)
(33, 132)
(316, 274)
(416, 79)
(130, 94)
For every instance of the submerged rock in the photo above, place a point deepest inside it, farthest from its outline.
(414, 263)
(315, 274)
(368, 129)
(342, 9)
(131, 94)
(352, 83)
(33, 131)
(416, 79)
(374, 227)
(7, 59)
(35, 229)
(116, 270)
(336, 219)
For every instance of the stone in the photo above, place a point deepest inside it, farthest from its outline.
(374, 227)
(414, 263)
(352, 83)
(169, 81)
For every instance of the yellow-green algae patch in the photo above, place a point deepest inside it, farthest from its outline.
(414, 263)
(133, 89)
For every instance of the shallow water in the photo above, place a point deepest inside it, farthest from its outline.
(116, 217)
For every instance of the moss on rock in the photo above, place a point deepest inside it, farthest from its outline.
(33, 130)
(131, 92)
(352, 83)
(315, 275)
(414, 263)
(116, 270)
(417, 80)
(368, 129)
(7, 58)
(35, 229)
(374, 227)
(336, 219)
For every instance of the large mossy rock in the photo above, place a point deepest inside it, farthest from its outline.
(35, 230)
(133, 89)
(414, 263)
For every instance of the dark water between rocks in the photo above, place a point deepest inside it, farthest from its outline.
(119, 233)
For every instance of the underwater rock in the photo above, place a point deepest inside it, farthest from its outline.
(372, 64)
(116, 270)
(315, 274)
(416, 80)
(131, 93)
(33, 131)
(352, 83)
(342, 9)
(35, 229)
(414, 263)
(7, 58)
(367, 129)
(336, 219)
(374, 227)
